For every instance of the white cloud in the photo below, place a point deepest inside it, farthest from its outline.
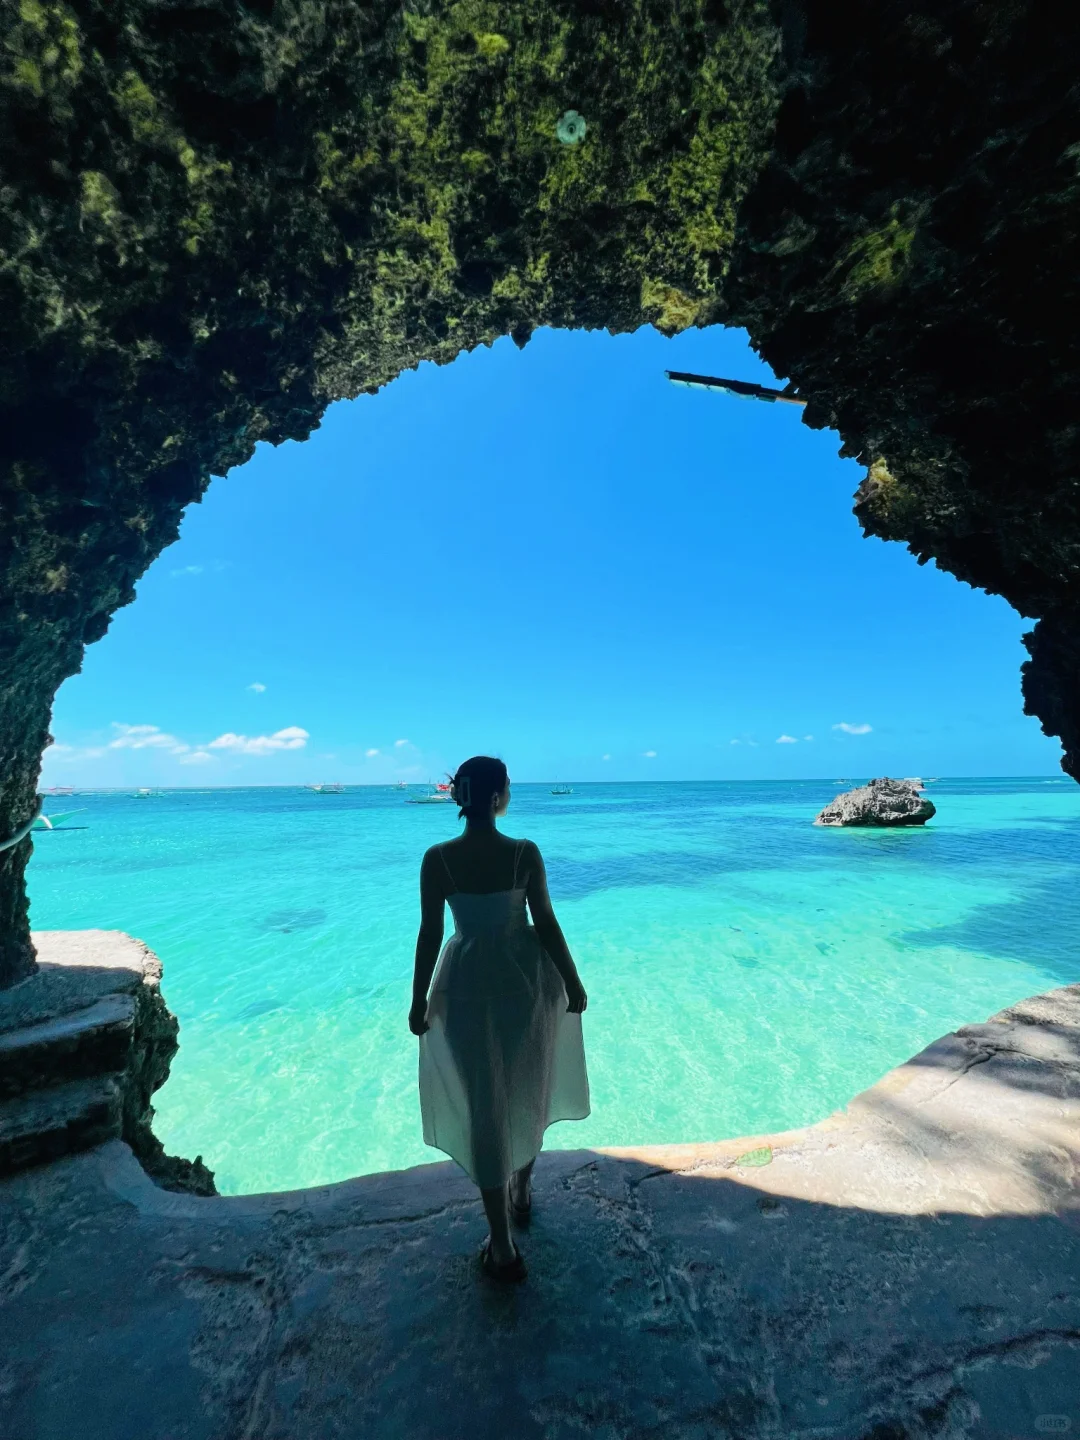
(808, 737)
(257, 686)
(849, 729)
(69, 754)
(187, 570)
(291, 738)
(371, 753)
(197, 757)
(145, 737)
(399, 743)
(125, 737)
(650, 754)
(605, 757)
(786, 740)
(734, 742)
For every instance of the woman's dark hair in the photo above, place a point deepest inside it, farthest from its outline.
(476, 784)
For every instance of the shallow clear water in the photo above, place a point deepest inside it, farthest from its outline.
(746, 971)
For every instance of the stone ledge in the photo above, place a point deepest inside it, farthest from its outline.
(48, 1124)
(84, 1043)
(985, 1120)
(76, 968)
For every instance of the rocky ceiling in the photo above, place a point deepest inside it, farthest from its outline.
(217, 218)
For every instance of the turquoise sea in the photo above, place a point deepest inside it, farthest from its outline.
(746, 971)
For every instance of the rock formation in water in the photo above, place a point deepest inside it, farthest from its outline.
(882, 803)
(217, 219)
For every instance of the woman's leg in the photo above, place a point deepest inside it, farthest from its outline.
(520, 1183)
(502, 1246)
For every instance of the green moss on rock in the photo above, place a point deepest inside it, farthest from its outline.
(877, 261)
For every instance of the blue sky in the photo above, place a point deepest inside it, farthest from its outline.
(556, 556)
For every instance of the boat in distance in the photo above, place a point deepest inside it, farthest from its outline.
(54, 822)
(438, 795)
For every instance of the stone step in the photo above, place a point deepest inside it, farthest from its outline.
(50, 1123)
(93, 1040)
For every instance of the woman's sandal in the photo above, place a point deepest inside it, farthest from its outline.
(512, 1273)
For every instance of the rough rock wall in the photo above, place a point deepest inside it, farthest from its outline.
(910, 258)
(154, 1043)
(216, 218)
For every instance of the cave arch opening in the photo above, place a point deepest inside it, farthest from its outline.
(294, 961)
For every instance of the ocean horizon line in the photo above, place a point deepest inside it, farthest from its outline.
(420, 784)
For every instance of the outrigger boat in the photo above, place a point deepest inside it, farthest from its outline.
(55, 822)
(563, 790)
(333, 787)
(440, 795)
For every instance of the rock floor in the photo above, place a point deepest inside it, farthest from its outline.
(908, 1269)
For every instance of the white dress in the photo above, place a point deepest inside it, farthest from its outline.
(502, 1059)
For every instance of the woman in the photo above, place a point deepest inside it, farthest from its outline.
(501, 1055)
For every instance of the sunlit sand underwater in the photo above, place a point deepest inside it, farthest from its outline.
(746, 971)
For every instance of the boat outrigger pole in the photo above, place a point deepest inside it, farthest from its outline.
(734, 387)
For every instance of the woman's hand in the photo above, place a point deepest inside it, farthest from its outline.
(576, 998)
(418, 1017)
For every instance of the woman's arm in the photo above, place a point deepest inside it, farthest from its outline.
(428, 941)
(549, 930)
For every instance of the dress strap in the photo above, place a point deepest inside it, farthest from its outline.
(518, 848)
(446, 867)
